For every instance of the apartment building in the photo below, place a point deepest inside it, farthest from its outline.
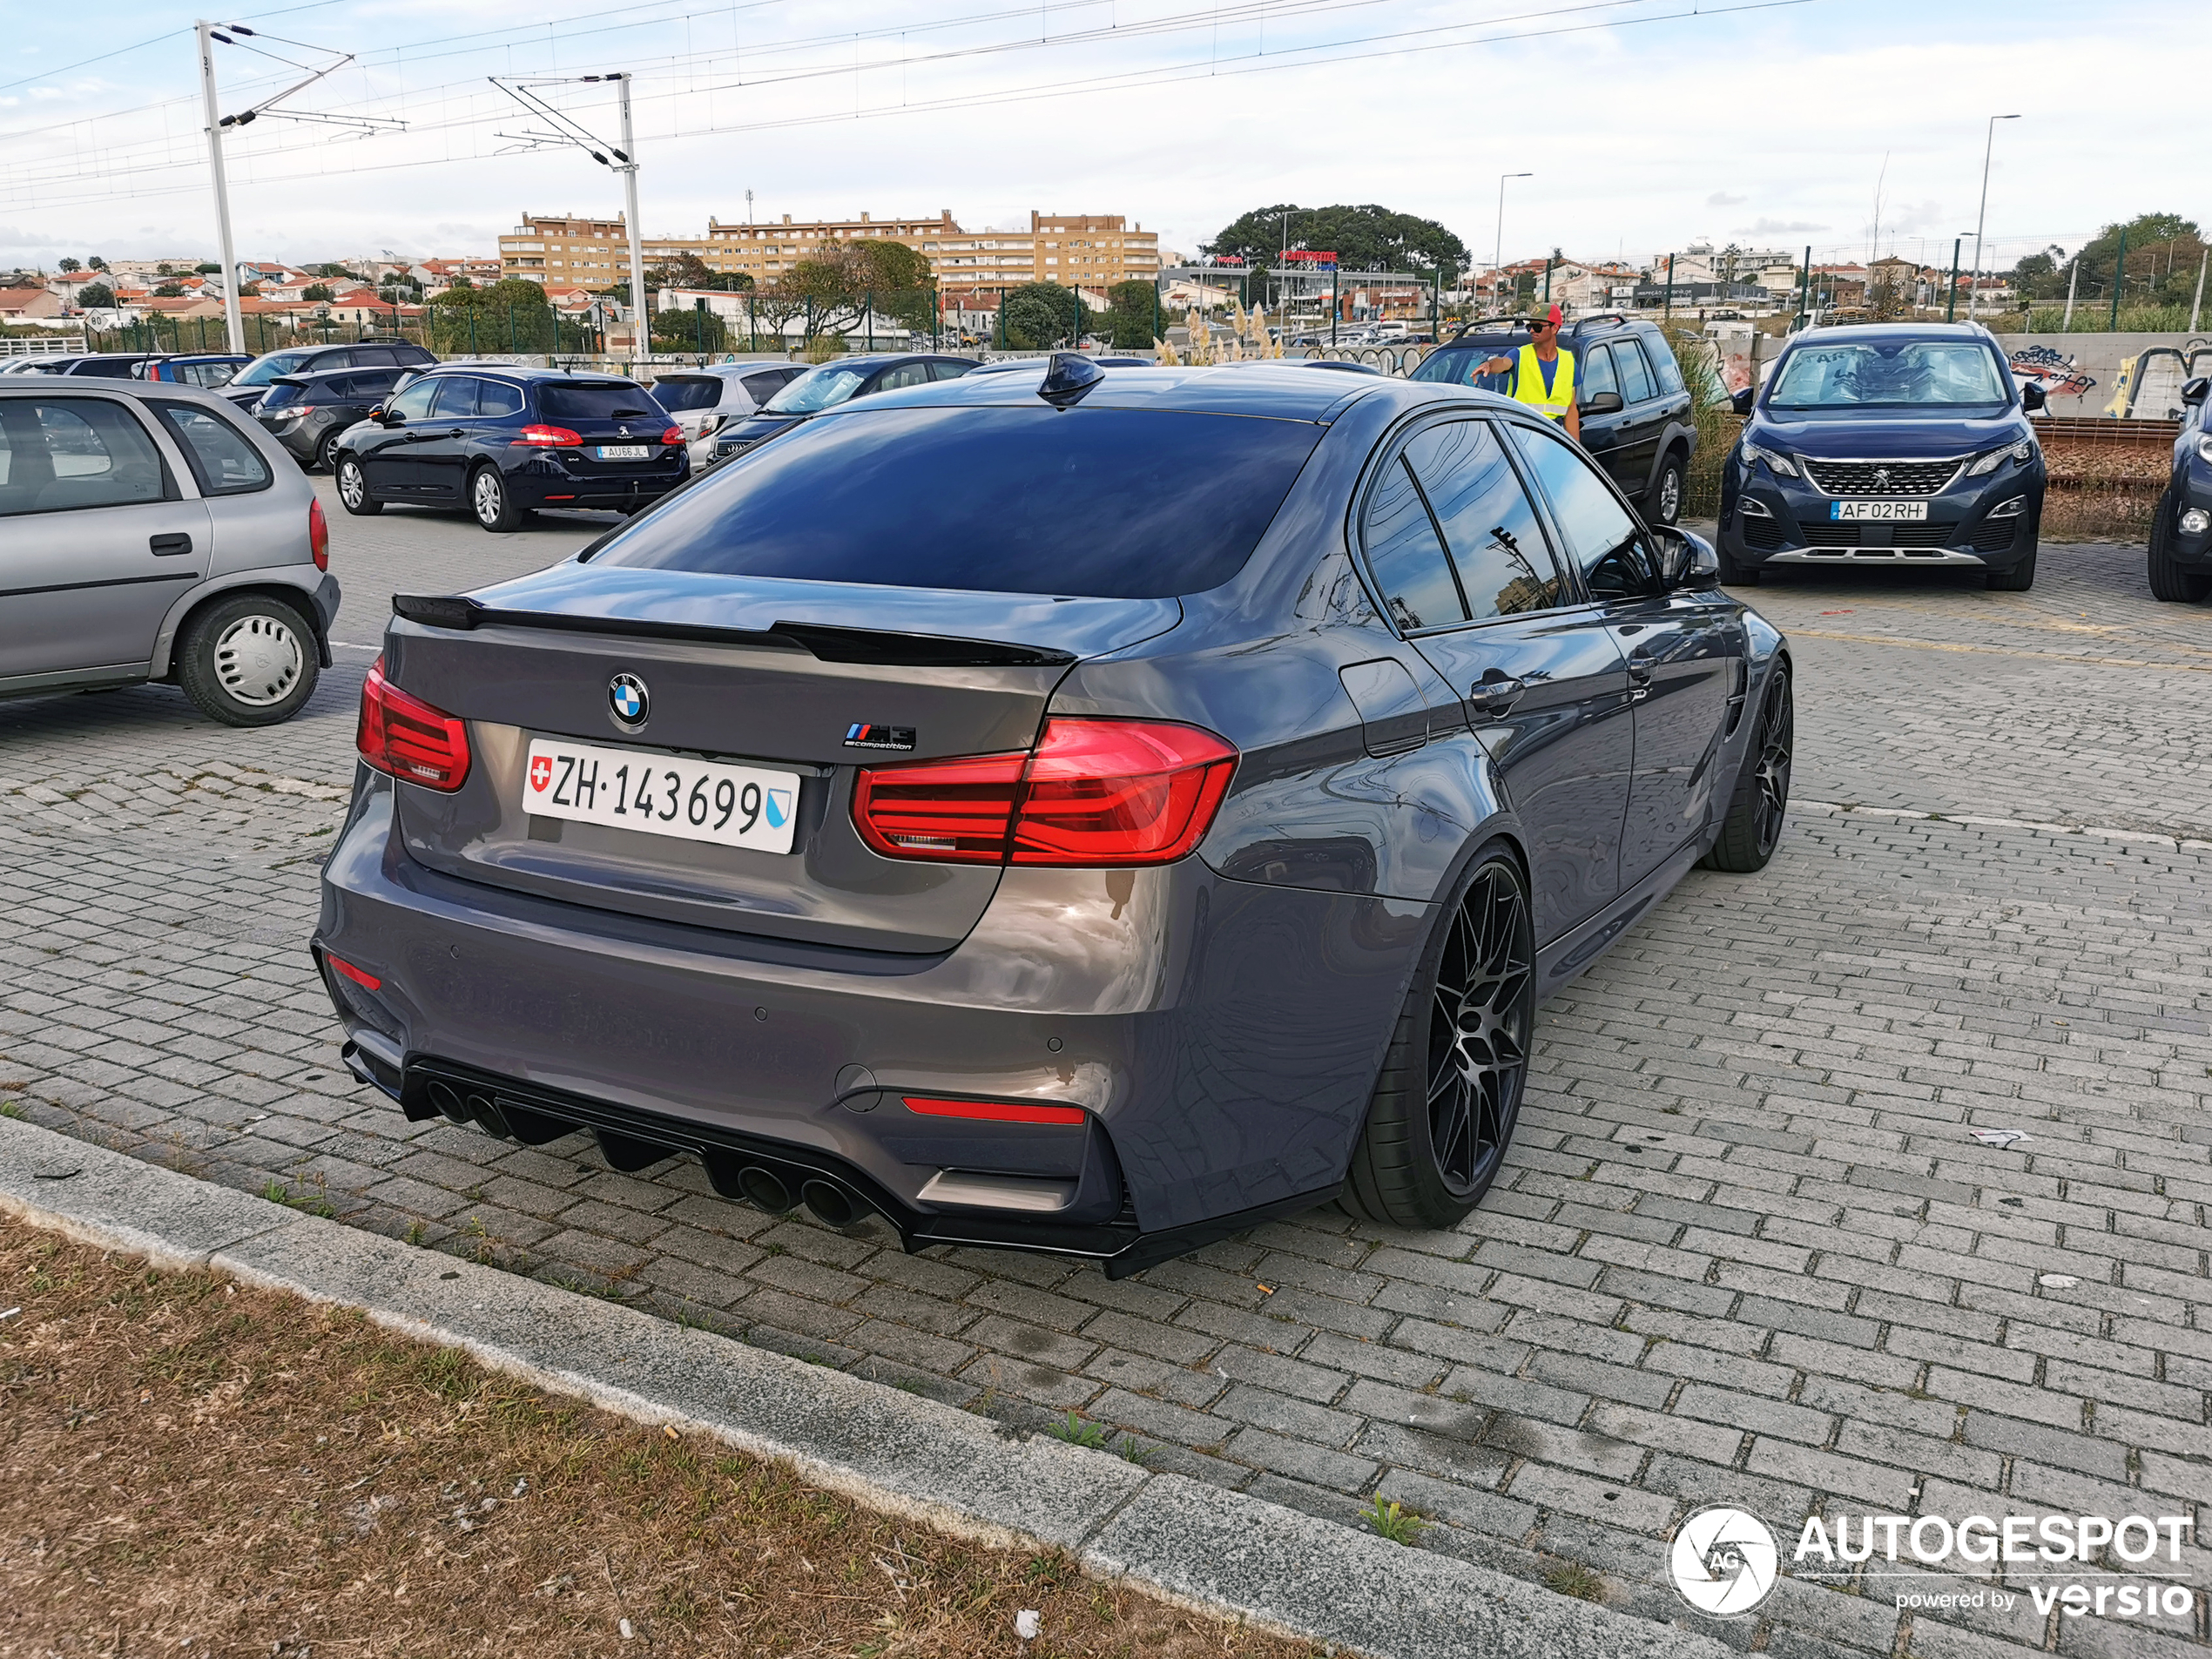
(1094, 249)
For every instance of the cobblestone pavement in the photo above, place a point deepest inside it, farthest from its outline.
(1747, 1249)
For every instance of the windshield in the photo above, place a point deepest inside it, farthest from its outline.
(678, 393)
(276, 363)
(1111, 504)
(817, 388)
(594, 400)
(1905, 373)
(1456, 365)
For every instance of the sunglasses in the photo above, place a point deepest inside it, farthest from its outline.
(1539, 327)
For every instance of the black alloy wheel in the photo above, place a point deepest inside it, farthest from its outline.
(1449, 1094)
(1761, 801)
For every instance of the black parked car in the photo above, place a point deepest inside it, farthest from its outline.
(1176, 823)
(2181, 533)
(830, 385)
(307, 413)
(110, 366)
(259, 376)
(1905, 443)
(1635, 413)
(501, 441)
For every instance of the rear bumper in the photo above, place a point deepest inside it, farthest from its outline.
(1222, 1038)
(546, 480)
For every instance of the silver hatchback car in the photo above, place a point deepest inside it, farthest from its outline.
(152, 532)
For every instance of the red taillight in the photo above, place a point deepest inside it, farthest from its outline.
(674, 435)
(548, 437)
(1094, 792)
(991, 1111)
(367, 981)
(406, 737)
(318, 536)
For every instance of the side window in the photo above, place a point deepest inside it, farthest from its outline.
(374, 357)
(496, 400)
(949, 371)
(1635, 378)
(1669, 371)
(414, 403)
(905, 374)
(1405, 556)
(60, 453)
(1597, 375)
(456, 398)
(323, 360)
(1492, 532)
(223, 459)
(1601, 535)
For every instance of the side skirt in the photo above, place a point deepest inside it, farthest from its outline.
(1561, 962)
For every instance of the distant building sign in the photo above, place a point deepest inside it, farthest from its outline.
(1308, 254)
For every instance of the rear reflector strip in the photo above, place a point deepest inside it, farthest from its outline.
(991, 1111)
(366, 981)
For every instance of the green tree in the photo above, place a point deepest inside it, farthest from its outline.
(169, 291)
(836, 293)
(71, 265)
(1369, 238)
(165, 270)
(95, 296)
(2162, 253)
(1038, 316)
(1132, 308)
(682, 328)
(328, 271)
(317, 291)
(512, 314)
(97, 263)
(207, 268)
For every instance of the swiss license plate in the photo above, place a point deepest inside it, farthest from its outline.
(693, 800)
(1845, 512)
(623, 451)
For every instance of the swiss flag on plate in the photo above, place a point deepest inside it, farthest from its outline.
(541, 772)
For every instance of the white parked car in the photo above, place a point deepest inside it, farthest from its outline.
(704, 400)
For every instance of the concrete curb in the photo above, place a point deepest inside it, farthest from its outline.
(1221, 1552)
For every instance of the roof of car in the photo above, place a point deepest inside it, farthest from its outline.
(526, 372)
(1279, 389)
(311, 376)
(1857, 332)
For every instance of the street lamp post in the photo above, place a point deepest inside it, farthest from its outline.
(1973, 291)
(1281, 260)
(1498, 251)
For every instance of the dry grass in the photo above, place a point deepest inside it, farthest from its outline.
(191, 1468)
(2106, 513)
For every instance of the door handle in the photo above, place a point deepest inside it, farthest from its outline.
(166, 547)
(1495, 693)
(1639, 671)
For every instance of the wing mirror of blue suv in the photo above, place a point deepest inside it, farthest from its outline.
(2192, 391)
(1742, 402)
(2033, 397)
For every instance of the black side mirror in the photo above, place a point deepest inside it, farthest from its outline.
(2193, 391)
(1742, 402)
(387, 417)
(1603, 404)
(1686, 561)
(2033, 397)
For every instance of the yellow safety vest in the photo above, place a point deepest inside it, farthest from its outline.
(1528, 383)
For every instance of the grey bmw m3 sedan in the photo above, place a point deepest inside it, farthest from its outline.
(1066, 811)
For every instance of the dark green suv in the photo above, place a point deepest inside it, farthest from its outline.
(1636, 411)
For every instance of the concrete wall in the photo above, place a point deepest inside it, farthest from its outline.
(2110, 375)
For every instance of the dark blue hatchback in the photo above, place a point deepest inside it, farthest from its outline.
(501, 441)
(1895, 444)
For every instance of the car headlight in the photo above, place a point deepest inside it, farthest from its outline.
(2020, 452)
(1776, 462)
(2204, 446)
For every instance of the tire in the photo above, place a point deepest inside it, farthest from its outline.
(1761, 799)
(353, 490)
(489, 501)
(247, 661)
(1663, 504)
(1449, 1093)
(2170, 582)
(1735, 574)
(2019, 579)
(326, 453)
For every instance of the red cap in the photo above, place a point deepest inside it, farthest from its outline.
(1553, 316)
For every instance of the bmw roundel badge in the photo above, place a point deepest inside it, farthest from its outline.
(628, 702)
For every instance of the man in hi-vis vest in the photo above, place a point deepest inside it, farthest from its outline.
(1543, 375)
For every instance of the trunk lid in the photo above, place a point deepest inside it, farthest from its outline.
(754, 671)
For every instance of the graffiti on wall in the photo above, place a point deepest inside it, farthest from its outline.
(2052, 370)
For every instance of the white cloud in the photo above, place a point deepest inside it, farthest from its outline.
(1722, 198)
(1774, 227)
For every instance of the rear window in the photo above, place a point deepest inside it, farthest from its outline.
(278, 397)
(1108, 503)
(594, 400)
(678, 393)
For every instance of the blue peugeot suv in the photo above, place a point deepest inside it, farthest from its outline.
(2180, 532)
(1905, 443)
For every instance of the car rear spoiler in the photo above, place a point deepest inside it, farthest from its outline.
(826, 643)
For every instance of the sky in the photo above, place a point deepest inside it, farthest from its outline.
(1849, 125)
